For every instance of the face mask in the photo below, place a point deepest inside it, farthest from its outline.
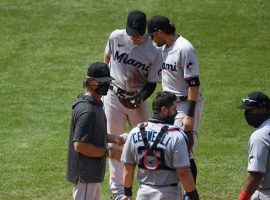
(256, 119)
(169, 119)
(165, 120)
(103, 89)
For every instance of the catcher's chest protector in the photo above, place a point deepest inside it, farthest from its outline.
(151, 155)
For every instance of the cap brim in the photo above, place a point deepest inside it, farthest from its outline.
(104, 79)
(245, 107)
(132, 32)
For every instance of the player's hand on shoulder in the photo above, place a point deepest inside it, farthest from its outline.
(115, 153)
(122, 139)
(188, 123)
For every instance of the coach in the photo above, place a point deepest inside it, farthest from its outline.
(88, 149)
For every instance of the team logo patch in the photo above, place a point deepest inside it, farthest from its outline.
(189, 65)
(251, 159)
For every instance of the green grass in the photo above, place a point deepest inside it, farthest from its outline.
(46, 47)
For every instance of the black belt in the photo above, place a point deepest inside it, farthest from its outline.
(169, 185)
(182, 98)
(121, 91)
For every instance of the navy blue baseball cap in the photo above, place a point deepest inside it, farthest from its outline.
(255, 100)
(136, 23)
(100, 72)
(160, 23)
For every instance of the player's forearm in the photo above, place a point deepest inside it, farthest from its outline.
(106, 59)
(186, 178)
(88, 149)
(112, 138)
(193, 93)
(252, 182)
(128, 175)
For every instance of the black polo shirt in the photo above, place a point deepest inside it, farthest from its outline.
(88, 124)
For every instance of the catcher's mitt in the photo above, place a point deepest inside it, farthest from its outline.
(132, 102)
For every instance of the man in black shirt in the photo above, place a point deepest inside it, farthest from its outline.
(88, 148)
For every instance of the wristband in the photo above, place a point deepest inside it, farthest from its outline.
(128, 191)
(191, 108)
(193, 195)
(244, 195)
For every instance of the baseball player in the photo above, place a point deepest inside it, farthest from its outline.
(180, 75)
(135, 65)
(160, 151)
(257, 114)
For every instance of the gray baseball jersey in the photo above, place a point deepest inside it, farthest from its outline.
(179, 62)
(173, 148)
(259, 153)
(131, 65)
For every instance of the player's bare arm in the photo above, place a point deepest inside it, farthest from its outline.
(88, 149)
(252, 182)
(186, 178)
(128, 176)
(119, 140)
(188, 120)
(106, 59)
(91, 150)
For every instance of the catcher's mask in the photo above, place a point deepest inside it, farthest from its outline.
(150, 160)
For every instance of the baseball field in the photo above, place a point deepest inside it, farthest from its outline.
(44, 52)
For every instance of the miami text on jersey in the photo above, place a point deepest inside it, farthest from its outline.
(168, 66)
(124, 58)
(151, 136)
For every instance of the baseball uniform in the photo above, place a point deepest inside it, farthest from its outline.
(132, 67)
(179, 63)
(259, 159)
(172, 153)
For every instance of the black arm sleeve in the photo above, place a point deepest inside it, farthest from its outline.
(147, 90)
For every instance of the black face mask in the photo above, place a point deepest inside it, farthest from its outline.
(256, 119)
(103, 89)
(165, 120)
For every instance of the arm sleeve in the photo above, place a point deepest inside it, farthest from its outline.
(258, 154)
(83, 127)
(127, 154)
(154, 75)
(189, 62)
(180, 152)
(147, 90)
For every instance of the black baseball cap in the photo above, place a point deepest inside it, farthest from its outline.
(100, 72)
(255, 100)
(160, 23)
(136, 23)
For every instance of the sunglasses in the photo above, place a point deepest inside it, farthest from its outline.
(250, 102)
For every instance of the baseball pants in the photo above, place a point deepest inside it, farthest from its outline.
(181, 107)
(146, 192)
(86, 191)
(261, 194)
(117, 115)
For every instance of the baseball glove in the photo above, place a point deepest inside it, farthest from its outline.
(132, 102)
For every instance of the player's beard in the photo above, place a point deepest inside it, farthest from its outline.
(170, 118)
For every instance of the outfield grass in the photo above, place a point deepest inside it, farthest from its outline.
(44, 52)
